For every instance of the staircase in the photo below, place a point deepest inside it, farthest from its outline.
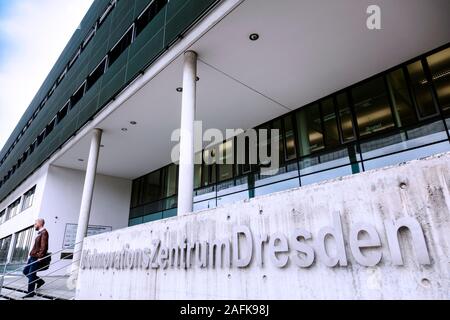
(14, 284)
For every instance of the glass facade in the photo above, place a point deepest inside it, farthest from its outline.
(397, 116)
(22, 246)
(4, 249)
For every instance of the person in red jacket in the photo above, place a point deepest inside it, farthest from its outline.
(38, 252)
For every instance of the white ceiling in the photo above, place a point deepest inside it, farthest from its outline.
(307, 49)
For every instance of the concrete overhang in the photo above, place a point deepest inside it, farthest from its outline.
(307, 49)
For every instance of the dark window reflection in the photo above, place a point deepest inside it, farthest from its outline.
(372, 107)
(422, 90)
(404, 111)
(345, 117)
(291, 149)
(440, 70)
(330, 124)
(310, 136)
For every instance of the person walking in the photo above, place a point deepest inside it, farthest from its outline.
(38, 252)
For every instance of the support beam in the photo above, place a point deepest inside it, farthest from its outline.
(86, 203)
(186, 175)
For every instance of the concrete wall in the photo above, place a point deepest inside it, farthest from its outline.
(419, 189)
(62, 200)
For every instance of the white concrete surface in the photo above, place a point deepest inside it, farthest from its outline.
(419, 189)
(62, 200)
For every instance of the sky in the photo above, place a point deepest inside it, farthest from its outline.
(33, 33)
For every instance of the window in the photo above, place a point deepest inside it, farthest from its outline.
(50, 127)
(291, 149)
(4, 249)
(63, 112)
(3, 216)
(28, 198)
(144, 19)
(440, 71)
(77, 96)
(422, 90)
(404, 111)
(170, 184)
(226, 159)
(61, 77)
(152, 187)
(72, 61)
(120, 47)
(106, 12)
(276, 125)
(40, 138)
(209, 167)
(137, 193)
(88, 38)
(13, 209)
(33, 146)
(310, 136)
(372, 107)
(96, 74)
(330, 124)
(22, 246)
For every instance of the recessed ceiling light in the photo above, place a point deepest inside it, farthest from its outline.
(81, 160)
(179, 89)
(133, 123)
(124, 129)
(102, 146)
(254, 37)
(197, 78)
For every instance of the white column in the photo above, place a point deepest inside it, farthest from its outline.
(186, 175)
(86, 203)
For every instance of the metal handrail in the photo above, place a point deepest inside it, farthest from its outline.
(20, 289)
(14, 272)
(39, 260)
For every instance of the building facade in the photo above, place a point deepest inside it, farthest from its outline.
(92, 153)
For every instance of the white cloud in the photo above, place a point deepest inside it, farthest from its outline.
(36, 32)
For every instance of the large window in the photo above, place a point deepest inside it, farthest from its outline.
(422, 90)
(96, 74)
(440, 71)
(4, 249)
(404, 111)
(309, 127)
(22, 246)
(330, 123)
(120, 47)
(144, 19)
(152, 187)
(372, 108)
(345, 117)
(14, 209)
(291, 148)
(395, 114)
(77, 95)
(2, 216)
(28, 198)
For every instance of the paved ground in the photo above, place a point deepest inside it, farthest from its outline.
(55, 287)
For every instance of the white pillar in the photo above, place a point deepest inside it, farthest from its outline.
(186, 175)
(86, 203)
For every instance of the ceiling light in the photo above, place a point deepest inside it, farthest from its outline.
(81, 160)
(133, 123)
(254, 37)
(124, 129)
(179, 89)
(197, 78)
(102, 146)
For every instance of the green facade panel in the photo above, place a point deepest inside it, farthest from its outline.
(162, 31)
